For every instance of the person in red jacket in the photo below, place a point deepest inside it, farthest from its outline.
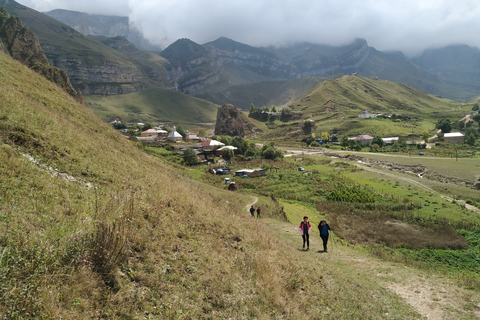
(305, 229)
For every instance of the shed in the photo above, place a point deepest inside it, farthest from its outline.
(250, 172)
(454, 137)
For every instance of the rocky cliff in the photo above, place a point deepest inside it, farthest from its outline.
(22, 45)
(229, 122)
(102, 25)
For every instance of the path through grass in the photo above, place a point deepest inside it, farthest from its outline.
(432, 296)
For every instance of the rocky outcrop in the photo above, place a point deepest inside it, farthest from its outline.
(229, 122)
(23, 45)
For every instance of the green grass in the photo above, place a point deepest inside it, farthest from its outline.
(147, 239)
(153, 105)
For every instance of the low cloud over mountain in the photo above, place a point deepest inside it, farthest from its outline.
(410, 26)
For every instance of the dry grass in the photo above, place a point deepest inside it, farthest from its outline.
(185, 250)
(370, 228)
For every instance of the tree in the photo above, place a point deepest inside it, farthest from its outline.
(253, 109)
(308, 126)
(425, 135)
(147, 126)
(119, 125)
(274, 109)
(378, 141)
(445, 125)
(470, 139)
(190, 157)
(167, 128)
(475, 107)
(181, 131)
(227, 154)
(226, 139)
(325, 137)
(270, 152)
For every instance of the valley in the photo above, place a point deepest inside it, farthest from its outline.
(114, 221)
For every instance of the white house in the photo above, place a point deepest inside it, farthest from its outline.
(454, 137)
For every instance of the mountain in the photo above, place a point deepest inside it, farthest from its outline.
(93, 67)
(459, 65)
(18, 41)
(102, 25)
(335, 106)
(225, 71)
(226, 64)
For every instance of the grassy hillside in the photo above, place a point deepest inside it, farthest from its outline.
(153, 105)
(336, 104)
(272, 93)
(144, 240)
(93, 227)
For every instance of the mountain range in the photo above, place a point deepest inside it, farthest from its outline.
(226, 71)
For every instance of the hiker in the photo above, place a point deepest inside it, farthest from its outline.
(305, 229)
(323, 227)
(252, 211)
(258, 213)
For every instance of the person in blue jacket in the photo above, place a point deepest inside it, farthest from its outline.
(323, 227)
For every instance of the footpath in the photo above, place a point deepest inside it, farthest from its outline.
(431, 295)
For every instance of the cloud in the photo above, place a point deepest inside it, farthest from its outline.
(407, 25)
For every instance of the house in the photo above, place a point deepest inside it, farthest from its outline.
(162, 133)
(365, 139)
(250, 172)
(191, 136)
(365, 114)
(209, 146)
(174, 135)
(454, 137)
(390, 140)
(218, 152)
(149, 133)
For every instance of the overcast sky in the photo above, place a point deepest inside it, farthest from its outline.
(407, 25)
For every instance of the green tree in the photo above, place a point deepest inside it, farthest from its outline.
(181, 131)
(444, 124)
(475, 107)
(241, 143)
(227, 154)
(425, 135)
(190, 157)
(253, 109)
(167, 128)
(378, 141)
(325, 137)
(227, 140)
(274, 109)
(308, 126)
(270, 152)
(147, 126)
(470, 139)
(119, 125)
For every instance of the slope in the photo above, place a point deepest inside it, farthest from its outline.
(91, 65)
(92, 227)
(153, 105)
(335, 106)
(350, 95)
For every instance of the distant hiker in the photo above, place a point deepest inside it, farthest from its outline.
(305, 229)
(258, 213)
(323, 227)
(252, 211)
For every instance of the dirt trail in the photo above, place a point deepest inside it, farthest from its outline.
(432, 296)
(251, 204)
(399, 176)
